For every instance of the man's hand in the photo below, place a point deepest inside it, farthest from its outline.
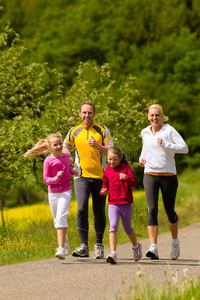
(74, 172)
(92, 142)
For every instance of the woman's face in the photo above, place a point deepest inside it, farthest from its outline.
(155, 118)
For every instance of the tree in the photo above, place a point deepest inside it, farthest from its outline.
(156, 41)
(33, 105)
(24, 92)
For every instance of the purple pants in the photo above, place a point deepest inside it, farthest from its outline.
(125, 212)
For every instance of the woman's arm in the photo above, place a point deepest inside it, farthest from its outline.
(177, 143)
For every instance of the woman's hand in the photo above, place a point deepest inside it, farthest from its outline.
(142, 162)
(159, 140)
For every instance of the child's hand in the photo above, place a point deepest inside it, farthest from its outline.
(122, 176)
(60, 173)
(104, 192)
(74, 172)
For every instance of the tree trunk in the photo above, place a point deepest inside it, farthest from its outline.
(1, 208)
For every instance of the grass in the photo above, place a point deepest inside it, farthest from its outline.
(143, 289)
(29, 233)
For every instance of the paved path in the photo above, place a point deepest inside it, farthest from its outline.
(87, 278)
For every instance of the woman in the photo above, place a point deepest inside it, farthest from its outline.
(160, 143)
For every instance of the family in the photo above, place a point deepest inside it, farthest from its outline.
(92, 142)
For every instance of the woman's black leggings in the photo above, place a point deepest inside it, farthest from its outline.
(168, 185)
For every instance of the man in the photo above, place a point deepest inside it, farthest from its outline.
(91, 141)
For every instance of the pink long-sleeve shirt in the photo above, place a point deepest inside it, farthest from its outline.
(120, 191)
(51, 167)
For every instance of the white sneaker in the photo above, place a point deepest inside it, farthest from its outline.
(98, 251)
(152, 252)
(67, 247)
(112, 258)
(137, 253)
(81, 251)
(175, 251)
(60, 253)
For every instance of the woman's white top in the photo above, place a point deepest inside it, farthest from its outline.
(160, 159)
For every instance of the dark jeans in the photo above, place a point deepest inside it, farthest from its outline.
(83, 188)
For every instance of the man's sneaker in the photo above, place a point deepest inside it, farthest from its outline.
(175, 251)
(112, 258)
(137, 253)
(60, 253)
(67, 247)
(152, 252)
(82, 251)
(99, 251)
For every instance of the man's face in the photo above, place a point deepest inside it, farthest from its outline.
(87, 115)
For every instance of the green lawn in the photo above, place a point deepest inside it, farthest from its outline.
(37, 240)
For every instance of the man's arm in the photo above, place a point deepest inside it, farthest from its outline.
(66, 150)
(93, 143)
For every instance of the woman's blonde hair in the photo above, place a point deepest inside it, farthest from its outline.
(42, 146)
(159, 108)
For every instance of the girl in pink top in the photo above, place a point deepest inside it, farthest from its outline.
(118, 181)
(56, 173)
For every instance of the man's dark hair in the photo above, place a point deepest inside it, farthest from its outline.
(88, 103)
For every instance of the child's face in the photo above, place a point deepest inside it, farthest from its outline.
(113, 159)
(56, 146)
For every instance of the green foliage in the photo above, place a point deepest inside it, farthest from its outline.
(147, 289)
(37, 240)
(156, 41)
(120, 107)
(25, 91)
(33, 105)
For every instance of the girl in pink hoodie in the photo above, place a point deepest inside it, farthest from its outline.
(56, 173)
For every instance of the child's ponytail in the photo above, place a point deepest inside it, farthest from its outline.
(42, 146)
(124, 160)
(122, 157)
